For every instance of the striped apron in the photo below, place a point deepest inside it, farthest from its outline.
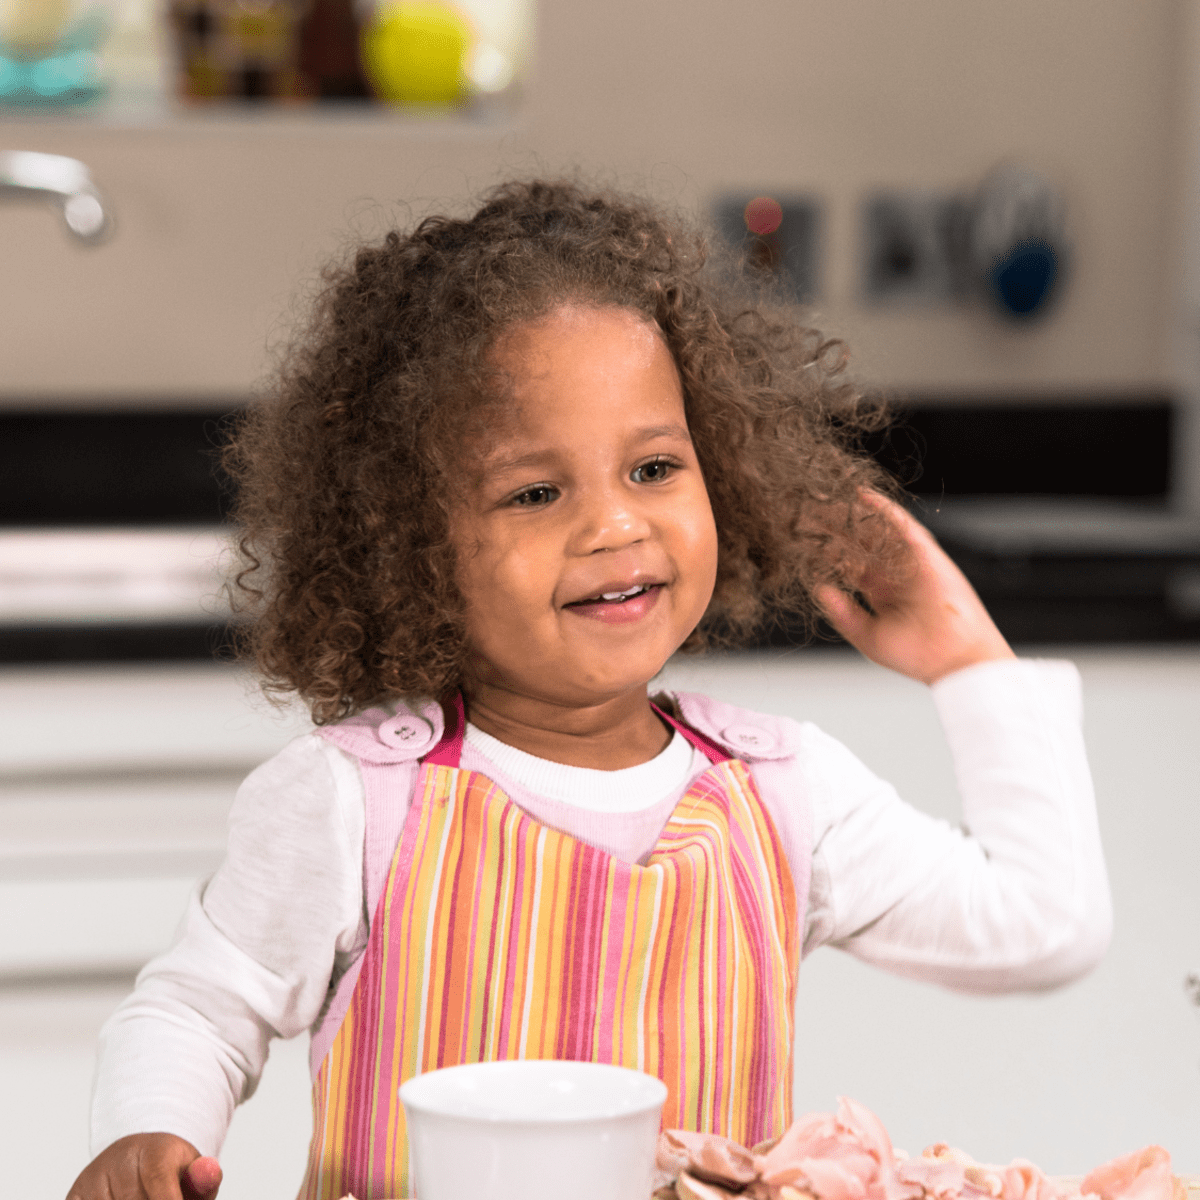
(497, 937)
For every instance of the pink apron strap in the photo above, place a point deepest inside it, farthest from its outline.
(448, 752)
(706, 746)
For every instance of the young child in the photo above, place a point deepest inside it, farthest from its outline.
(515, 463)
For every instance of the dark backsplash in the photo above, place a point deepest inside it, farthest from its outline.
(60, 468)
(1119, 449)
(89, 468)
(63, 468)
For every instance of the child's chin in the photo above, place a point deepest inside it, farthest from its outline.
(634, 679)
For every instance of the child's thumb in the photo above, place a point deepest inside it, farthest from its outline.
(202, 1179)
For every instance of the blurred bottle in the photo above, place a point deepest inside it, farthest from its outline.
(237, 49)
(406, 52)
(329, 57)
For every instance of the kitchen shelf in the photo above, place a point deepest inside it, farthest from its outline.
(155, 110)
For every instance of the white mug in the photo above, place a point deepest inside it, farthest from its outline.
(533, 1130)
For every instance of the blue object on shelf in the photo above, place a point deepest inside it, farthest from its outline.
(1023, 279)
(1017, 243)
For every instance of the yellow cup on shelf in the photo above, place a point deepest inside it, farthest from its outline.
(415, 52)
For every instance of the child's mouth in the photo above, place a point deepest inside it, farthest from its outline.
(619, 607)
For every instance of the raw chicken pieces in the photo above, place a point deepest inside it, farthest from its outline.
(1144, 1175)
(848, 1155)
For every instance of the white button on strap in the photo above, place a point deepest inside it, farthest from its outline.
(749, 738)
(406, 733)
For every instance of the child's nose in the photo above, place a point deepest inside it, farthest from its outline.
(611, 522)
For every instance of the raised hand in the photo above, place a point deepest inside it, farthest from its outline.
(149, 1166)
(925, 620)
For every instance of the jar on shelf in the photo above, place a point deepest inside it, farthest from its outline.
(237, 49)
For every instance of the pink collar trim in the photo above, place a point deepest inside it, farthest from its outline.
(448, 752)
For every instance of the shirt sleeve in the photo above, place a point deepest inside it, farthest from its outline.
(1016, 898)
(256, 954)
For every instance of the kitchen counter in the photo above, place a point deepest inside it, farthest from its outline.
(1067, 1079)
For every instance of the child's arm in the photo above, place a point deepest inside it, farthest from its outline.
(148, 1166)
(925, 625)
(252, 960)
(1015, 899)
(1019, 897)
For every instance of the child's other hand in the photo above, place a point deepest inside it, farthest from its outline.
(926, 623)
(148, 1166)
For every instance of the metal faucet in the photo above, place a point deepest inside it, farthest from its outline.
(26, 174)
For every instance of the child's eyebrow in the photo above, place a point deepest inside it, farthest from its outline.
(651, 432)
(500, 464)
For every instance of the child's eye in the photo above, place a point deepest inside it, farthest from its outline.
(652, 472)
(536, 497)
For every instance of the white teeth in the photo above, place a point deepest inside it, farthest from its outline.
(622, 595)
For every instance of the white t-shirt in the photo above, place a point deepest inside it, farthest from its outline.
(1019, 902)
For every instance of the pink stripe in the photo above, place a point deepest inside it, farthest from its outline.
(703, 1002)
(580, 1023)
(580, 1011)
(501, 870)
(724, 936)
(514, 926)
(378, 1047)
(668, 928)
(713, 752)
(624, 998)
(480, 860)
(448, 752)
(451, 927)
(393, 979)
(606, 1033)
(419, 845)
(720, 1067)
(747, 897)
(566, 985)
(360, 1066)
(595, 922)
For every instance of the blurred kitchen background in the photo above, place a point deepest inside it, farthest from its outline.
(996, 204)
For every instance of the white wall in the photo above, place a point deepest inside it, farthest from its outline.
(1067, 1079)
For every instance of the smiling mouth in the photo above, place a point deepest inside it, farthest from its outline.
(616, 597)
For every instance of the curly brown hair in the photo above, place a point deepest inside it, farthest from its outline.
(348, 469)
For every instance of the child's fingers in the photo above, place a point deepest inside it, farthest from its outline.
(161, 1180)
(840, 610)
(148, 1166)
(918, 537)
(163, 1163)
(202, 1179)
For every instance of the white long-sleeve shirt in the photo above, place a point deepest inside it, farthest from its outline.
(1015, 899)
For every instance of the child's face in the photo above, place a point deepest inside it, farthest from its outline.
(591, 487)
